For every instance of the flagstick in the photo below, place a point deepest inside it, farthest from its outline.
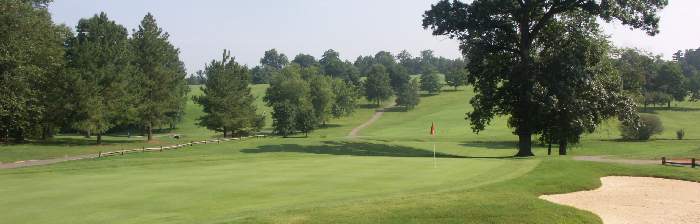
(434, 158)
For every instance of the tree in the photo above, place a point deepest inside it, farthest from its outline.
(407, 96)
(226, 99)
(363, 64)
(274, 59)
(263, 74)
(457, 75)
(409, 62)
(398, 76)
(377, 87)
(321, 97)
(670, 80)
(31, 61)
(430, 82)
(578, 84)
(305, 60)
(331, 65)
(160, 76)
(288, 96)
(346, 97)
(501, 39)
(102, 56)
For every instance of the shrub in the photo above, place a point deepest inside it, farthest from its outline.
(648, 125)
(680, 134)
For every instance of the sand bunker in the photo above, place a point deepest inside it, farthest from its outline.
(638, 200)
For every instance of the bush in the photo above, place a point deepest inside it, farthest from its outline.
(648, 125)
(680, 134)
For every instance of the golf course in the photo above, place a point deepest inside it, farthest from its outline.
(302, 112)
(387, 174)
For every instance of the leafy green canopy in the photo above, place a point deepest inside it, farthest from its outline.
(30, 65)
(501, 39)
(377, 86)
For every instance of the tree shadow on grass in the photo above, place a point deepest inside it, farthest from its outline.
(78, 141)
(491, 145)
(350, 149)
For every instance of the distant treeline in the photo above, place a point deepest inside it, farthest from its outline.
(654, 81)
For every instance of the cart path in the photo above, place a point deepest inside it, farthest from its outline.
(378, 114)
(26, 163)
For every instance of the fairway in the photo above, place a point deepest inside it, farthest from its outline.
(217, 182)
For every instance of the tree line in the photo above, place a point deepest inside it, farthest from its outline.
(654, 81)
(94, 79)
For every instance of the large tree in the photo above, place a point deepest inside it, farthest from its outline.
(501, 39)
(274, 59)
(377, 85)
(289, 97)
(322, 96)
(407, 96)
(102, 57)
(577, 86)
(160, 76)
(226, 99)
(30, 63)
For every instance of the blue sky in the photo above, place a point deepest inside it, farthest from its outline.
(202, 29)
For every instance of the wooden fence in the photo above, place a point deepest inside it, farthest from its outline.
(679, 162)
(171, 147)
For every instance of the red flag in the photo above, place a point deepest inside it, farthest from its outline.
(432, 129)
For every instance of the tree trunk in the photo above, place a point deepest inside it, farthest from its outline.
(99, 138)
(669, 104)
(225, 130)
(524, 144)
(549, 148)
(149, 128)
(88, 134)
(562, 147)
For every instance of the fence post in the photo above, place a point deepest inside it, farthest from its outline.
(122, 152)
(99, 154)
(143, 149)
(161, 148)
(663, 160)
(692, 163)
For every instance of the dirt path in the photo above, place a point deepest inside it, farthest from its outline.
(375, 117)
(607, 160)
(638, 200)
(26, 163)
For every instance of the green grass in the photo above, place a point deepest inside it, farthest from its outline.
(388, 175)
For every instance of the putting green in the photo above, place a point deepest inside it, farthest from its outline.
(217, 183)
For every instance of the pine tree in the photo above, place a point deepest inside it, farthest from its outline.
(226, 99)
(101, 57)
(160, 77)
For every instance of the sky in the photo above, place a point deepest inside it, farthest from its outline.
(202, 29)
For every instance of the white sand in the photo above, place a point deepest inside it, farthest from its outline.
(638, 200)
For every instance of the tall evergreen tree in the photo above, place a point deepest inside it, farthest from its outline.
(226, 99)
(160, 76)
(102, 57)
